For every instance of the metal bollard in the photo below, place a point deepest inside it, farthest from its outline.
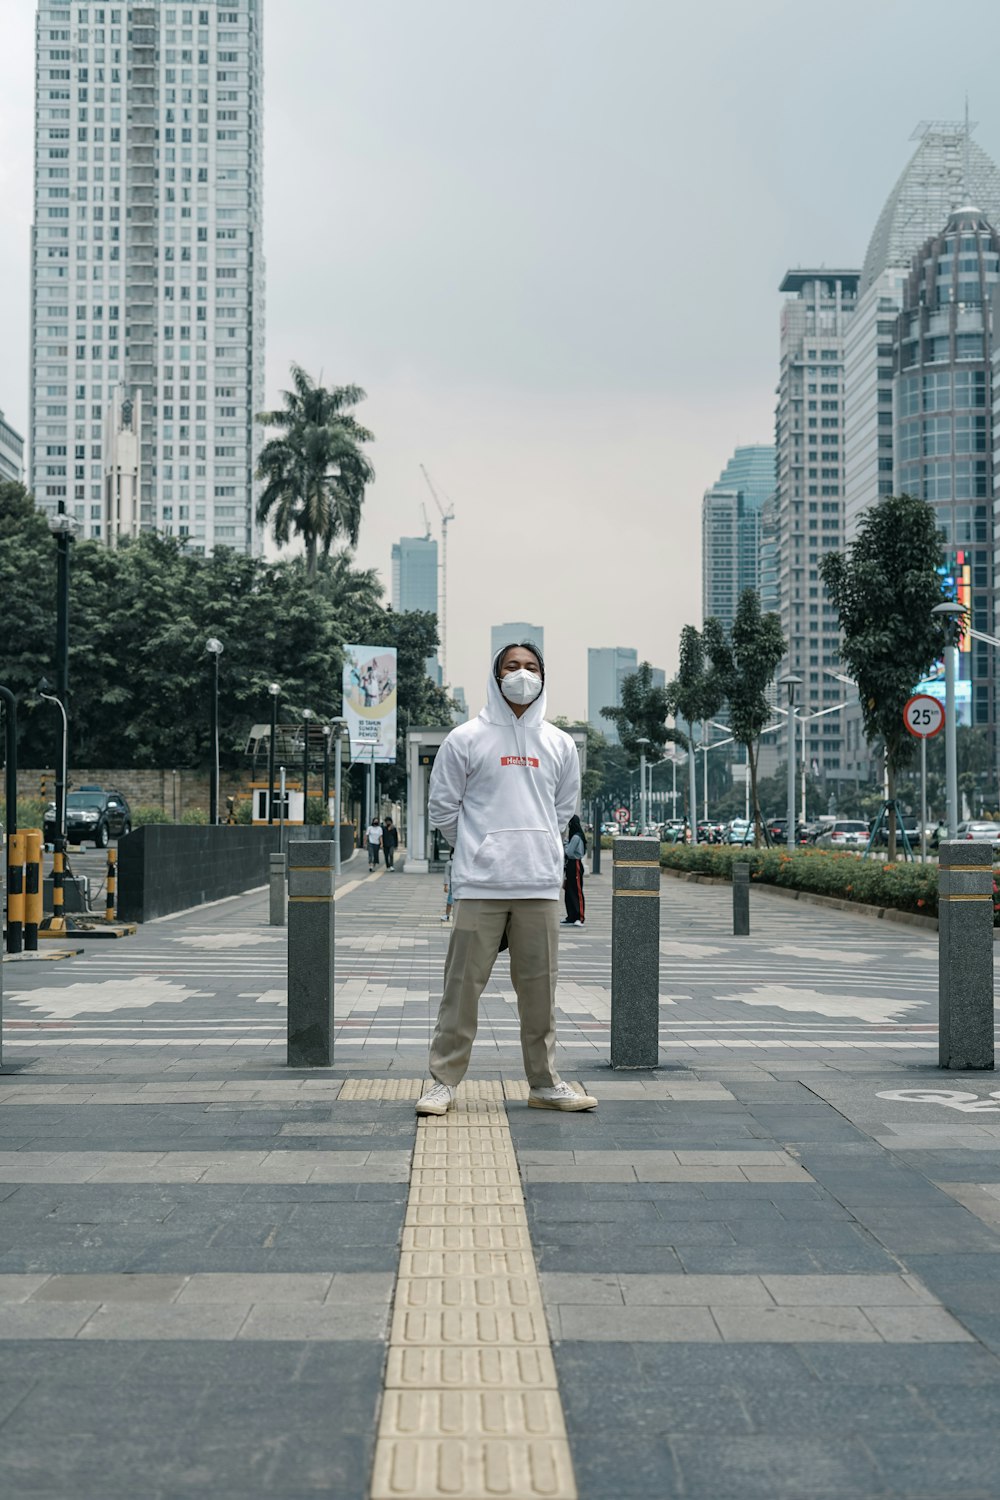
(277, 890)
(32, 887)
(310, 954)
(965, 955)
(111, 886)
(635, 954)
(741, 898)
(15, 893)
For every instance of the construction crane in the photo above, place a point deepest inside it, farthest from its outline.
(427, 522)
(446, 516)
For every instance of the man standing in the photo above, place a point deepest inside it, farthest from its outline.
(502, 790)
(390, 840)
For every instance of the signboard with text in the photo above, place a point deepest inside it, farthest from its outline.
(370, 702)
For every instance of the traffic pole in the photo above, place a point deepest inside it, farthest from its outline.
(923, 799)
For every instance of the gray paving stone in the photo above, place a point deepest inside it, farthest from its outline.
(634, 1324)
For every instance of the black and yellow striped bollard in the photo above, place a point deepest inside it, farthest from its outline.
(111, 887)
(32, 887)
(15, 893)
(58, 923)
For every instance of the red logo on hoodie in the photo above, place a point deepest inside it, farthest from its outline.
(519, 760)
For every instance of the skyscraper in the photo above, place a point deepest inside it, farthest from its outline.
(947, 170)
(147, 336)
(607, 668)
(11, 451)
(809, 496)
(516, 630)
(415, 573)
(731, 512)
(415, 583)
(942, 356)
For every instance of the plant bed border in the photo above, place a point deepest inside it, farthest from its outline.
(814, 898)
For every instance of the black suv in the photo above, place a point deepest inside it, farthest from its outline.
(92, 814)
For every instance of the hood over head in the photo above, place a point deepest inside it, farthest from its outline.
(498, 710)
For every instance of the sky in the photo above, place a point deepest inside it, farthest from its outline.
(546, 237)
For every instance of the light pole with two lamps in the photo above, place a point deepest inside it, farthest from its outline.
(215, 648)
(274, 691)
(951, 615)
(790, 682)
(642, 742)
(307, 714)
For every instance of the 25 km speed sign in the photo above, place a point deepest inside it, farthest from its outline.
(923, 716)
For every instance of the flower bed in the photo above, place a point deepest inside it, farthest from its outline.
(905, 887)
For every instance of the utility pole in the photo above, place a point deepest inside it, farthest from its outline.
(446, 516)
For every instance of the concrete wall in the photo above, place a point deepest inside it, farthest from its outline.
(166, 867)
(174, 792)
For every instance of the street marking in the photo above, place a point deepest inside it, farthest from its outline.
(471, 1407)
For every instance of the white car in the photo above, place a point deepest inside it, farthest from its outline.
(845, 833)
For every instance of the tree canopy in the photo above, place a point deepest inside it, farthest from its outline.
(315, 473)
(140, 614)
(884, 589)
(744, 662)
(642, 714)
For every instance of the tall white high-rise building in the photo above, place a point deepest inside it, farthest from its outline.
(809, 504)
(147, 267)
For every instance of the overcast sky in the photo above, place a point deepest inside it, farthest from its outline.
(546, 237)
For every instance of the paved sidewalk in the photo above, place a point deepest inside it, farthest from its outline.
(769, 1268)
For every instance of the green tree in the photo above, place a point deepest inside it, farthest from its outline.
(744, 662)
(597, 750)
(642, 714)
(884, 589)
(695, 694)
(315, 473)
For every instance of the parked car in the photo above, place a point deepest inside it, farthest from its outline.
(980, 833)
(740, 831)
(845, 833)
(92, 814)
(911, 825)
(778, 830)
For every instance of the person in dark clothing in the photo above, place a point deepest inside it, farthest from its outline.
(574, 849)
(390, 838)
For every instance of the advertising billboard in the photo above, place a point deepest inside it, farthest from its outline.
(933, 686)
(370, 702)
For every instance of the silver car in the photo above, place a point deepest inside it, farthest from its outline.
(980, 833)
(845, 833)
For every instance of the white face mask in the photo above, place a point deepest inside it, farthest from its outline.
(521, 686)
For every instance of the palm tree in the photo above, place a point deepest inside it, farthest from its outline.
(315, 473)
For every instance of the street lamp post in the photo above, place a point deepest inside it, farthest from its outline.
(951, 615)
(307, 714)
(642, 742)
(62, 527)
(215, 647)
(337, 727)
(790, 682)
(327, 731)
(273, 690)
(60, 820)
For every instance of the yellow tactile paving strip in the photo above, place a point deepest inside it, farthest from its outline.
(471, 1406)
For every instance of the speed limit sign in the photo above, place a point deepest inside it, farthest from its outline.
(924, 716)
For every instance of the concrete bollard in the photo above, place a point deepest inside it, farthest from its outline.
(310, 954)
(277, 890)
(635, 954)
(965, 955)
(741, 898)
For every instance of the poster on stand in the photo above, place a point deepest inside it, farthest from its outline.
(370, 702)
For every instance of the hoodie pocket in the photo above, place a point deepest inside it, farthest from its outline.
(511, 857)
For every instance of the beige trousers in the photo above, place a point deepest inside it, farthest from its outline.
(533, 935)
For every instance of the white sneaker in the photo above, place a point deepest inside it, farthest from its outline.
(560, 1096)
(437, 1100)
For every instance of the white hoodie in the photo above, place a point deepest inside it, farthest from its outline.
(502, 790)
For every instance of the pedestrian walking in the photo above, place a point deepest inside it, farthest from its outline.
(390, 840)
(502, 789)
(374, 842)
(574, 849)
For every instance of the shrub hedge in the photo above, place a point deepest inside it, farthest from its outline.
(904, 887)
